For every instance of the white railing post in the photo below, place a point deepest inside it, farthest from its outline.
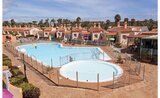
(144, 72)
(77, 78)
(98, 81)
(113, 80)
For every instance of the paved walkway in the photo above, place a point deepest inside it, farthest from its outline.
(147, 89)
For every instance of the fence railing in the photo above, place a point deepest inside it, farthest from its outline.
(93, 55)
(133, 72)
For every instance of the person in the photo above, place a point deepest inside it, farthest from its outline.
(70, 59)
(135, 47)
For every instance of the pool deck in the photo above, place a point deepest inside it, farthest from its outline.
(142, 89)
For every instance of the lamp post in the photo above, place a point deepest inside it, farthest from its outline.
(23, 52)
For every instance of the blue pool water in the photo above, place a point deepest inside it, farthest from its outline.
(88, 69)
(54, 54)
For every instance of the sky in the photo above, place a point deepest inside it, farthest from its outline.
(86, 9)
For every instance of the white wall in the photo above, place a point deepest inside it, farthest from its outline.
(34, 31)
(123, 41)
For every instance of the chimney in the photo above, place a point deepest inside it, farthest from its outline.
(125, 24)
(64, 25)
(99, 25)
(76, 26)
(79, 25)
(32, 25)
(94, 25)
(118, 24)
(61, 25)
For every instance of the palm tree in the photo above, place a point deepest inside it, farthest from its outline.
(34, 23)
(133, 22)
(78, 19)
(41, 24)
(108, 22)
(13, 23)
(117, 18)
(6, 23)
(59, 21)
(126, 19)
(46, 23)
(52, 22)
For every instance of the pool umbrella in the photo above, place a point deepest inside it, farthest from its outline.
(7, 94)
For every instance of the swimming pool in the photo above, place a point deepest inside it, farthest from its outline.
(88, 69)
(56, 55)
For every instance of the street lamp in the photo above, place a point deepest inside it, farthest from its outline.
(23, 52)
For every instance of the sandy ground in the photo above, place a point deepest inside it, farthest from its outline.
(143, 89)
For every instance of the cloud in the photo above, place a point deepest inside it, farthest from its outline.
(83, 8)
(7, 4)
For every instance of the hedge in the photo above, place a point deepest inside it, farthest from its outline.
(118, 45)
(7, 61)
(29, 91)
(16, 72)
(18, 79)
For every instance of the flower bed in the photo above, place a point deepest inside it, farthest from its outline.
(18, 80)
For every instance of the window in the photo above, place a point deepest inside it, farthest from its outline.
(124, 36)
(75, 35)
(96, 35)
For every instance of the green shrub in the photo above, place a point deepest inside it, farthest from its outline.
(4, 56)
(16, 72)
(17, 80)
(29, 91)
(7, 63)
(49, 68)
(119, 59)
(118, 45)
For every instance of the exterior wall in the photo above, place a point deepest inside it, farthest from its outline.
(94, 37)
(4, 38)
(17, 92)
(123, 38)
(13, 38)
(26, 33)
(34, 31)
(50, 37)
(73, 35)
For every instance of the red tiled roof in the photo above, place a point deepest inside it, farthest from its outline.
(61, 29)
(149, 33)
(137, 36)
(95, 29)
(67, 32)
(48, 29)
(111, 33)
(15, 29)
(155, 30)
(86, 32)
(76, 30)
(120, 29)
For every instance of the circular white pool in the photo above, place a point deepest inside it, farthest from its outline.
(88, 69)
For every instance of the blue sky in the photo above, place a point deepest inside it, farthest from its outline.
(86, 9)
